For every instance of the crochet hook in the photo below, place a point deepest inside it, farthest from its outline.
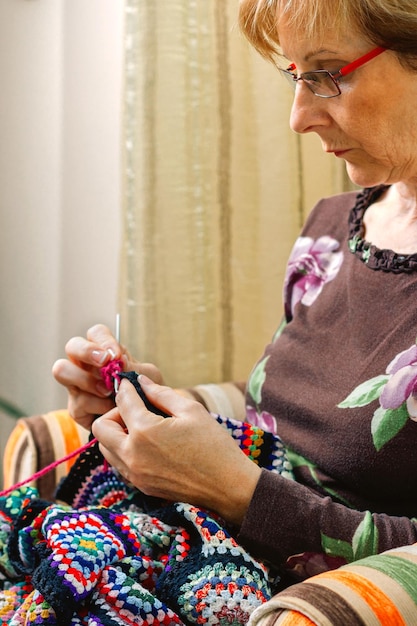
(117, 336)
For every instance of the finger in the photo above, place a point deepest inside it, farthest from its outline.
(110, 428)
(84, 405)
(132, 408)
(84, 408)
(96, 349)
(73, 377)
(169, 401)
(111, 432)
(101, 335)
(86, 354)
(120, 447)
(149, 369)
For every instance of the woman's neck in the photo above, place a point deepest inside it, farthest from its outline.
(391, 222)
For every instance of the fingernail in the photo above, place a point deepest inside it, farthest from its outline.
(144, 380)
(100, 356)
(112, 353)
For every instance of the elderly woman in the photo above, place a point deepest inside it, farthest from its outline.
(338, 380)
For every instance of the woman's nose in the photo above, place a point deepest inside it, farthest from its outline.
(308, 111)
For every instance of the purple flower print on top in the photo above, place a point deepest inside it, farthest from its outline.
(396, 392)
(263, 420)
(311, 265)
(402, 385)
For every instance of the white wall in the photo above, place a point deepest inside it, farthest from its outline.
(60, 146)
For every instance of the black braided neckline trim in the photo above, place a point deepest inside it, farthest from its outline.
(373, 257)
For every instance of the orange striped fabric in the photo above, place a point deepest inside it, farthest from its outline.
(12, 455)
(289, 618)
(72, 437)
(38, 441)
(380, 590)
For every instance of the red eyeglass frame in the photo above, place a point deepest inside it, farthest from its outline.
(346, 69)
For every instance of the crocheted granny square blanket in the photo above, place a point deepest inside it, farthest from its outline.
(103, 554)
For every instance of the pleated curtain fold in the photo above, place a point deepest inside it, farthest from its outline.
(216, 188)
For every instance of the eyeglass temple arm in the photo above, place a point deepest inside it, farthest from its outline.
(350, 67)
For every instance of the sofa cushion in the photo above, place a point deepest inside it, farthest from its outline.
(375, 591)
(38, 441)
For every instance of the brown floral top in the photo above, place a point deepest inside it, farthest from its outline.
(338, 383)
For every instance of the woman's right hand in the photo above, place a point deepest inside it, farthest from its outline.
(80, 372)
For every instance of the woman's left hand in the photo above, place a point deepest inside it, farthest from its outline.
(188, 457)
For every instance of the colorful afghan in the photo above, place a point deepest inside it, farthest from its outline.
(103, 554)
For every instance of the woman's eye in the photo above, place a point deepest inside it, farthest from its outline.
(315, 78)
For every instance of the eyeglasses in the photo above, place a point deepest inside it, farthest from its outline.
(323, 83)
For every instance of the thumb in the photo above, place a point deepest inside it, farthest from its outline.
(110, 429)
(168, 400)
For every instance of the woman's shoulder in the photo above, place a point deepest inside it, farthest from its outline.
(334, 206)
(330, 215)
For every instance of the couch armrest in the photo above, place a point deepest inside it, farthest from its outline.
(39, 440)
(379, 589)
(226, 399)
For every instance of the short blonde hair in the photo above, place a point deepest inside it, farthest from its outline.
(388, 23)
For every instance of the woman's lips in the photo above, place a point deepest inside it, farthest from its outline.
(339, 153)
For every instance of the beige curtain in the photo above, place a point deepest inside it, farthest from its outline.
(216, 189)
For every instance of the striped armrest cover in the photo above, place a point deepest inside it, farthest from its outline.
(39, 440)
(379, 590)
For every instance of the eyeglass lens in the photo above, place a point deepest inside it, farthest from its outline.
(319, 82)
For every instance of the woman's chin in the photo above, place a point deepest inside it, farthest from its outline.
(365, 176)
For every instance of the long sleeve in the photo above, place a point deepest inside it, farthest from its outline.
(295, 519)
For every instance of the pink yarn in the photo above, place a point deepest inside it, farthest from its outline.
(110, 372)
(47, 469)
